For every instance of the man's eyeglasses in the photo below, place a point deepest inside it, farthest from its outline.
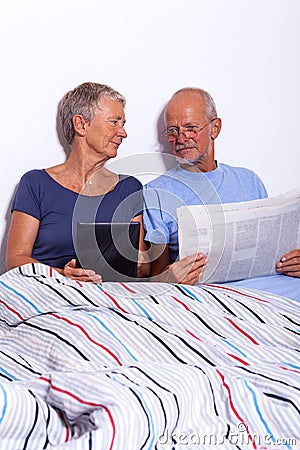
(189, 131)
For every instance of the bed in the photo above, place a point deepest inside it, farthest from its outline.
(145, 365)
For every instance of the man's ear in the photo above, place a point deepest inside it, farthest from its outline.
(216, 128)
(79, 124)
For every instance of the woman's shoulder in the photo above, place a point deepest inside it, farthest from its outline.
(39, 180)
(34, 173)
(33, 176)
(130, 180)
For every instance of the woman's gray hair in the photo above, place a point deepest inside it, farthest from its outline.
(210, 107)
(83, 100)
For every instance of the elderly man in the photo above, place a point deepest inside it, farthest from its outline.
(192, 125)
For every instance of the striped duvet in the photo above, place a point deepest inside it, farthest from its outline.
(145, 366)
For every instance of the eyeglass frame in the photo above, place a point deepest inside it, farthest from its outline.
(195, 133)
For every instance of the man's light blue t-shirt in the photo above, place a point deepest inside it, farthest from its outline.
(225, 184)
(178, 187)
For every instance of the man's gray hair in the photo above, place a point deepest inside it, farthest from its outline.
(210, 107)
(83, 100)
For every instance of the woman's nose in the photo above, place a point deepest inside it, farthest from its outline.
(122, 132)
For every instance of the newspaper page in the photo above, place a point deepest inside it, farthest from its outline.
(242, 240)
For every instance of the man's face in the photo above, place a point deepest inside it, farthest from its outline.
(186, 111)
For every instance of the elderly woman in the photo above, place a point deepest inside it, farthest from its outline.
(49, 201)
(92, 120)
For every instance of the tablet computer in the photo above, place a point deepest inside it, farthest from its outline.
(111, 249)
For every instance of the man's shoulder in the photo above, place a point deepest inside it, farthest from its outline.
(242, 172)
(245, 179)
(236, 169)
(168, 178)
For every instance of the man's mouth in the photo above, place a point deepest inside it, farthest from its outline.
(179, 148)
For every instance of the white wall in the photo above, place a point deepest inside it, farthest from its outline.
(244, 52)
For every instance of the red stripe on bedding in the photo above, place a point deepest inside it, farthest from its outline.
(88, 336)
(127, 288)
(194, 336)
(242, 331)
(239, 359)
(12, 310)
(233, 408)
(85, 402)
(289, 370)
(181, 303)
(237, 292)
(115, 302)
(61, 415)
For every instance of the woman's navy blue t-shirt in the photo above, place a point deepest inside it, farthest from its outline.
(59, 209)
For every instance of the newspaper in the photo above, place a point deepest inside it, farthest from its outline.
(242, 240)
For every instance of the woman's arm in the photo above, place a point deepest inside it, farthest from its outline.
(21, 237)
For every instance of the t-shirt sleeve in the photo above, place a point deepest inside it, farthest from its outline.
(26, 199)
(138, 197)
(262, 191)
(156, 227)
(124, 202)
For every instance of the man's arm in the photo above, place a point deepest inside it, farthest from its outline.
(159, 257)
(143, 268)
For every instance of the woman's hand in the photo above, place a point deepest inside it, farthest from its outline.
(289, 264)
(76, 273)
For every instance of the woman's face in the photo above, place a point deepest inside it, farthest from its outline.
(106, 130)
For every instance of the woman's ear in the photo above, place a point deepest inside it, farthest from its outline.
(216, 128)
(79, 124)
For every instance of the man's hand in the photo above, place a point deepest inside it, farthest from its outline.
(76, 273)
(186, 271)
(289, 263)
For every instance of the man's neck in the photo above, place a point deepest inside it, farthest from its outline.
(200, 166)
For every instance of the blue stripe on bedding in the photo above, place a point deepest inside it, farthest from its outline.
(112, 333)
(4, 403)
(120, 366)
(21, 296)
(258, 410)
(233, 346)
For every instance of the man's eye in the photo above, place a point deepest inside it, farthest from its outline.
(114, 122)
(172, 130)
(191, 127)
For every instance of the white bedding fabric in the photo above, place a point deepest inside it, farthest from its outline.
(145, 366)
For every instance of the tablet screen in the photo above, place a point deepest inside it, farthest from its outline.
(111, 249)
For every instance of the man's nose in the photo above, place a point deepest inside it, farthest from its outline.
(181, 139)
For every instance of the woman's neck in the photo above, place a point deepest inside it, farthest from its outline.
(83, 175)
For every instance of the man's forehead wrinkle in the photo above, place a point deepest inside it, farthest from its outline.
(186, 115)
